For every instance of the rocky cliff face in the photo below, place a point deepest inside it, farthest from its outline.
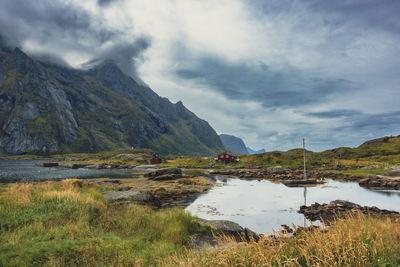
(50, 109)
(233, 143)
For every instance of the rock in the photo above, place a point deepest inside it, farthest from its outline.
(47, 164)
(166, 177)
(93, 166)
(393, 173)
(339, 208)
(72, 165)
(296, 183)
(104, 182)
(124, 157)
(130, 196)
(232, 229)
(380, 182)
(200, 241)
(165, 172)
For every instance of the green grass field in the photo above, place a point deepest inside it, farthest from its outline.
(69, 224)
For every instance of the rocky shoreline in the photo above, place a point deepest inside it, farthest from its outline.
(340, 208)
(163, 188)
(289, 177)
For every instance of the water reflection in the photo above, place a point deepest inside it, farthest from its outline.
(305, 203)
(263, 205)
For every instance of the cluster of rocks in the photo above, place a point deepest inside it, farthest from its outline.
(224, 228)
(78, 165)
(161, 188)
(340, 208)
(165, 174)
(380, 182)
(292, 178)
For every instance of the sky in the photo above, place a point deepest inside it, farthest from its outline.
(268, 71)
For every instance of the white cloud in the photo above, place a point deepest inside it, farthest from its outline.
(282, 35)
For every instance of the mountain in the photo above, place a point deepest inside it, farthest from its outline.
(46, 108)
(252, 152)
(233, 143)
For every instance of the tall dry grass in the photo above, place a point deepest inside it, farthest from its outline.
(354, 241)
(68, 223)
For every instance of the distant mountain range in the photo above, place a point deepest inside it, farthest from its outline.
(46, 108)
(252, 152)
(236, 145)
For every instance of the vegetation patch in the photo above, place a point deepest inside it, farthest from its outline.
(359, 172)
(69, 223)
(354, 241)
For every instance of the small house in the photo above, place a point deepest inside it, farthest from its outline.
(156, 159)
(227, 158)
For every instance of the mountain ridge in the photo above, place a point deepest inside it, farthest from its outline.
(52, 109)
(233, 143)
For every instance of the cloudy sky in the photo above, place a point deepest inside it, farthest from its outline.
(270, 72)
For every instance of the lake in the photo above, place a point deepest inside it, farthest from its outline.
(263, 205)
(17, 170)
(259, 205)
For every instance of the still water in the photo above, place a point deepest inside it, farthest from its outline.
(263, 206)
(17, 170)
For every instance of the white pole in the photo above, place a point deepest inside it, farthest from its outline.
(304, 157)
(304, 177)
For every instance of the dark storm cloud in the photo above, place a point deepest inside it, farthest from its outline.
(380, 122)
(258, 82)
(125, 55)
(47, 21)
(65, 27)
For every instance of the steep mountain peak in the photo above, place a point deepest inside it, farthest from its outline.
(100, 109)
(108, 67)
(235, 144)
(21, 60)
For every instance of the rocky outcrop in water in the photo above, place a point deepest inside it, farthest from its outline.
(380, 182)
(340, 208)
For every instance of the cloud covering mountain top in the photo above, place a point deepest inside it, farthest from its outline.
(271, 72)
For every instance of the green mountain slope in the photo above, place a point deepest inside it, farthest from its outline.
(381, 151)
(50, 109)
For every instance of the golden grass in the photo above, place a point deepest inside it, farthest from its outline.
(355, 241)
(22, 193)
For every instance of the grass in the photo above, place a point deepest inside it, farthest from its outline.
(356, 241)
(69, 223)
(381, 153)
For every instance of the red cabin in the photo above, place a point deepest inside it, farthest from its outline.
(156, 159)
(227, 158)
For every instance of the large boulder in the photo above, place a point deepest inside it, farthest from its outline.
(232, 229)
(340, 208)
(131, 196)
(165, 174)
